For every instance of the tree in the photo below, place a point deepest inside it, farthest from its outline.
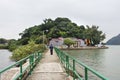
(12, 44)
(68, 42)
(61, 27)
(94, 35)
(3, 41)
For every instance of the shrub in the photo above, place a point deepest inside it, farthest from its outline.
(23, 51)
(12, 44)
(68, 42)
(2, 46)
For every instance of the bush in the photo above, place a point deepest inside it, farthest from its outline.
(24, 51)
(12, 44)
(2, 46)
(68, 42)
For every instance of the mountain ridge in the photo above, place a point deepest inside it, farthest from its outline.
(114, 40)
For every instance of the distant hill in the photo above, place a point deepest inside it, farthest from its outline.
(114, 41)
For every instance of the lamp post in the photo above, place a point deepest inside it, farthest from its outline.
(43, 34)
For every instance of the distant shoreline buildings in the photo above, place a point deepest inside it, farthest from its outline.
(59, 42)
(79, 43)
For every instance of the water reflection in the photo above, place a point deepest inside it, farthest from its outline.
(5, 58)
(105, 61)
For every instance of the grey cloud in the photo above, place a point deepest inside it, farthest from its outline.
(25, 13)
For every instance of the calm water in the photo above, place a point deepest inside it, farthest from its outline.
(4, 58)
(105, 61)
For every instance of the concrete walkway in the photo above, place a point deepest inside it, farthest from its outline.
(49, 68)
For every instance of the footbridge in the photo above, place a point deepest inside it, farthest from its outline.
(43, 66)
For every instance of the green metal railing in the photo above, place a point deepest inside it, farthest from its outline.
(74, 68)
(25, 68)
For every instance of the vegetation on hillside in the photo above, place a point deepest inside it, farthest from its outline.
(61, 27)
(3, 43)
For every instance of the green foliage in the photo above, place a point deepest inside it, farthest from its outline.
(60, 27)
(23, 40)
(23, 51)
(3, 41)
(94, 35)
(68, 42)
(12, 44)
(3, 46)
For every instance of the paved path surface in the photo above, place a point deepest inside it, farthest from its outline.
(12, 73)
(49, 68)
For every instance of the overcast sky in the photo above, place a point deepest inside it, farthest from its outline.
(17, 15)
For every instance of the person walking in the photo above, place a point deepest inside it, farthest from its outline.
(51, 49)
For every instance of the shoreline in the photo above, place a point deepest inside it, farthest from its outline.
(84, 48)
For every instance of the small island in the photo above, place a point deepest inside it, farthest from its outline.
(61, 32)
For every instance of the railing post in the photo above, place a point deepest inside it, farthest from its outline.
(73, 69)
(61, 55)
(66, 61)
(86, 74)
(21, 70)
(67, 64)
(20, 67)
(30, 62)
(33, 58)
